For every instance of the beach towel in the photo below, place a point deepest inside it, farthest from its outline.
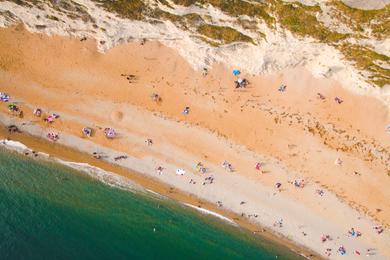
(180, 172)
(4, 97)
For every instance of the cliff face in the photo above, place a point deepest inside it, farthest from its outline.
(328, 38)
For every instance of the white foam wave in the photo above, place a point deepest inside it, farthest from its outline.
(209, 212)
(14, 145)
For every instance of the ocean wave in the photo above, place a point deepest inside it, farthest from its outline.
(106, 177)
(14, 145)
(209, 212)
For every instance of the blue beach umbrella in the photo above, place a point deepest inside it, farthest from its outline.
(236, 72)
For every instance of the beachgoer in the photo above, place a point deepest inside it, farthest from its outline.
(241, 83)
(227, 166)
(186, 111)
(149, 142)
(4, 97)
(156, 97)
(378, 229)
(159, 170)
(320, 96)
(87, 131)
(338, 100)
(282, 88)
(53, 136)
(180, 171)
(258, 166)
(205, 72)
(338, 162)
(109, 132)
(342, 250)
(37, 112)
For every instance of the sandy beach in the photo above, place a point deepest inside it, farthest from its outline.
(295, 135)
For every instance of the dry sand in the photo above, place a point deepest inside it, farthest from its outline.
(294, 134)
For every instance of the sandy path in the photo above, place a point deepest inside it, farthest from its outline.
(295, 134)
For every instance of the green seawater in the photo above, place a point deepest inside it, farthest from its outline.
(48, 211)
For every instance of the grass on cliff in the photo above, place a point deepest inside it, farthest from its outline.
(377, 20)
(222, 33)
(301, 20)
(364, 59)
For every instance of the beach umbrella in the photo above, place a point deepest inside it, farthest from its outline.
(236, 72)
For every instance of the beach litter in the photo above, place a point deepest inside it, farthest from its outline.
(180, 172)
(4, 97)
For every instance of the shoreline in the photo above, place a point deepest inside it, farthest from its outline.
(68, 154)
(294, 136)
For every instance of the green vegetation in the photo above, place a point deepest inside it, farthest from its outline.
(221, 33)
(235, 8)
(364, 59)
(301, 20)
(131, 9)
(377, 20)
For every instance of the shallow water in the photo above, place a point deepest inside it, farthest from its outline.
(48, 211)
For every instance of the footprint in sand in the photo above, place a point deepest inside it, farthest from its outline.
(116, 116)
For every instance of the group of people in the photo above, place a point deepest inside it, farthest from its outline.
(4, 97)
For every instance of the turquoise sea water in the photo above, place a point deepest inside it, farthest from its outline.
(48, 211)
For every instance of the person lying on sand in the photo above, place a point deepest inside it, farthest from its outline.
(120, 157)
(338, 100)
(159, 170)
(320, 96)
(227, 166)
(241, 83)
(186, 111)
